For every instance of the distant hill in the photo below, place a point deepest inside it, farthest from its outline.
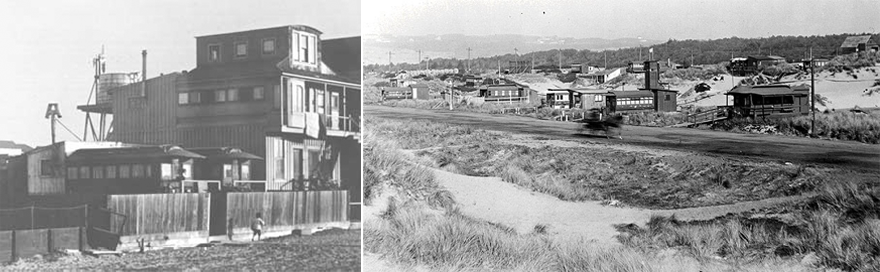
(404, 48)
(679, 51)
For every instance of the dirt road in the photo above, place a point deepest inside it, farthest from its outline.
(852, 155)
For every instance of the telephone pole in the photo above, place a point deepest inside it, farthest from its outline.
(420, 56)
(389, 57)
(469, 60)
(812, 95)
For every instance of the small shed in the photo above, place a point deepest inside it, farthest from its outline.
(622, 101)
(665, 100)
(396, 93)
(557, 98)
(512, 93)
(132, 170)
(770, 100)
(860, 43)
(421, 91)
(583, 98)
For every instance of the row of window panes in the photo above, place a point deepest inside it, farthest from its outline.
(121, 171)
(314, 161)
(306, 45)
(241, 49)
(110, 171)
(635, 101)
(219, 96)
(505, 93)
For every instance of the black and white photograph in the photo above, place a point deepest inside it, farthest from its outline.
(180, 136)
(682, 135)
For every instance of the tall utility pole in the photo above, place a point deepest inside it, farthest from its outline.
(420, 56)
(516, 61)
(469, 60)
(389, 57)
(606, 58)
(812, 95)
(560, 59)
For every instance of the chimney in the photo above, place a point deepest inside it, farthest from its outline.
(652, 75)
(144, 74)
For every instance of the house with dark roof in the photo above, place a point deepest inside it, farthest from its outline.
(602, 76)
(770, 100)
(859, 43)
(283, 94)
(133, 170)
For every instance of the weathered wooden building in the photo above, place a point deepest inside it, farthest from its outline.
(507, 93)
(131, 170)
(770, 100)
(587, 99)
(862, 43)
(281, 93)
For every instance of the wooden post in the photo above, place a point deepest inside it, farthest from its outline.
(49, 240)
(13, 249)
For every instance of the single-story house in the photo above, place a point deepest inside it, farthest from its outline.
(770, 100)
(860, 43)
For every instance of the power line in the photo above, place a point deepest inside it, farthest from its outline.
(68, 130)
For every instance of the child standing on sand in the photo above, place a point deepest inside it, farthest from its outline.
(257, 226)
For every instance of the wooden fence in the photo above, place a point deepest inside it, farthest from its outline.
(16, 244)
(287, 208)
(160, 213)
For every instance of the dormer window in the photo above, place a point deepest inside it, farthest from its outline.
(268, 46)
(240, 49)
(214, 52)
(307, 45)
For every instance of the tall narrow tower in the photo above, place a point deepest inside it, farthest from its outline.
(99, 101)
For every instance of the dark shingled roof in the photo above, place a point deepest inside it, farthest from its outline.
(139, 153)
(771, 90)
(343, 56)
(854, 41)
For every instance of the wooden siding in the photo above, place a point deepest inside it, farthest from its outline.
(287, 208)
(160, 213)
(54, 183)
(146, 120)
(290, 145)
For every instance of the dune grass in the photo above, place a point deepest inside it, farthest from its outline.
(840, 226)
(841, 125)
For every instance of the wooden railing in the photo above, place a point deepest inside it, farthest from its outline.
(707, 116)
(343, 123)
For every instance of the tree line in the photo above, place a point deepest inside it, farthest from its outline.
(684, 52)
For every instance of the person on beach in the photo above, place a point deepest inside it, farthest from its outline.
(257, 226)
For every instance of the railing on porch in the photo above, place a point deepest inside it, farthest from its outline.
(343, 123)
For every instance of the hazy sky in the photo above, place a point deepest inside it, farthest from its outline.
(659, 20)
(49, 45)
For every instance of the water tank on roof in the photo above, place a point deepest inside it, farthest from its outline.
(109, 81)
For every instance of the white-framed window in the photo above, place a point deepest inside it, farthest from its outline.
(125, 171)
(165, 171)
(259, 93)
(137, 171)
(307, 48)
(240, 49)
(269, 46)
(227, 171)
(187, 171)
(213, 52)
(245, 172)
(298, 97)
(84, 172)
(279, 160)
(220, 96)
(233, 95)
(111, 171)
(319, 101)
(195, 98)
(46, 168)
(183, 98)
(598, 98)
(72, 173)
(97, 172)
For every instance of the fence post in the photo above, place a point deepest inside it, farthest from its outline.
(49, 240)
(32, 216)
(14, 251)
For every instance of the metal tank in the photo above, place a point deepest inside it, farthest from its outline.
(109, 81)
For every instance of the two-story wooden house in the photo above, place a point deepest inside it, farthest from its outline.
(282, 94)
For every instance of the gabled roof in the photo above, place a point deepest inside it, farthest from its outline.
(854, 41)
(771, 90)
(622, 94)
(140, 153)
(588, 91)
(419, 85)
(224, 153)
(343, 55)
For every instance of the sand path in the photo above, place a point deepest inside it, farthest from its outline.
(491, 199)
